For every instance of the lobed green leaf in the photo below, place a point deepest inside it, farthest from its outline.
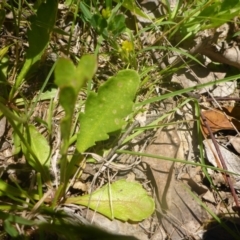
(70, 80)
(105, 111)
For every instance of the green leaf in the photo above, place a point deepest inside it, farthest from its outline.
(9, 219)
(122, 200)
(209, 15)
(38, 36)
(29, 143)
(70, 80)
(65, 75)
(99, 23)
(117, 24)
(15, 219)
(10, 229)
(105, 111)
(39, 147)
(132, 7)
(85, 11)
(10, 191)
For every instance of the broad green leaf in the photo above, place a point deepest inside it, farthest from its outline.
(122, 200)
(65, 74)
(34, 145)
(38, 36)
(105, 111)
(39, 147)
(70, 80)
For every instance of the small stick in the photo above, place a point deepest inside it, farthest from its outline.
(224, 99)
(222, 162)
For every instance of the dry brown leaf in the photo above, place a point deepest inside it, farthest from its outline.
(217, 120)
(235, 141)
(231, 160)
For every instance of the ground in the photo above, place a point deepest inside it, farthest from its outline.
(121, 115)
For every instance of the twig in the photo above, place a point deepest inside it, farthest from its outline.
(224, 99)
(224, 166)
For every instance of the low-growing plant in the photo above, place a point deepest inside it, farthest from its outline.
(105, 112)
(87, 122)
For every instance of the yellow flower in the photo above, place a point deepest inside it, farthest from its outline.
(127, 46)
(106, 13)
